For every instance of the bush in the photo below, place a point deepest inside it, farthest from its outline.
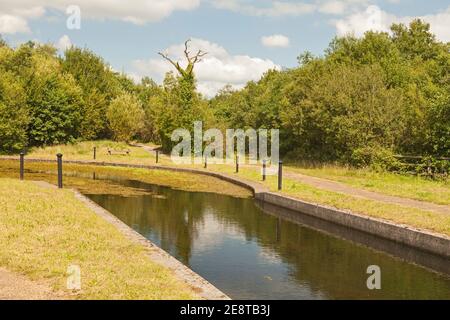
(377, 158)
(14, 117)
(432, 167)
(54, 109)
(126, 117)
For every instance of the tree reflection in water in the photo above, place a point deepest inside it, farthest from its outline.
(249, 254)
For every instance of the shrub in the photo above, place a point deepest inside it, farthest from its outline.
(375, 157)
(126, 117)
(14, 117)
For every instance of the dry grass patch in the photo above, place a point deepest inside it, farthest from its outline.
(43, 231)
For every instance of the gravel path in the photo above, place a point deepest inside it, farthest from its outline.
(17, 287)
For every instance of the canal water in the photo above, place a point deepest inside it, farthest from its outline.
(254, 251)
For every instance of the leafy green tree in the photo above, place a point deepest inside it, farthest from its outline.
(438, 142)
(305, 58)
(52, 98)
(54, 110)
(99, 84)
(381, 93)
(126, 117)
(365, 100)
(147, 92)
(415, 41)
(14, 117)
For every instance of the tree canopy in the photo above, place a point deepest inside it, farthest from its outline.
(381, 94)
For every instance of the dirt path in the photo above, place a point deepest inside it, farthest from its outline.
(18, 287)
(334, 186)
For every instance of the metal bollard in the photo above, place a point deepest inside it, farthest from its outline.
(22, 160)
(60, 179)
(237, 164)
(264, 170)
(95, 153)
(280, 175)
(157, 156)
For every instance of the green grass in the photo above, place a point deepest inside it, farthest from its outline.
(43, 231)
(85, 151)
(412, 187)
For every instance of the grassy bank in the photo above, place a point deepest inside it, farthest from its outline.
(85, 151)
(85, 183)
(405, 186)
(43, 231)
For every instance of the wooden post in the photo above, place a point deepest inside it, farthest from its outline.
(60, 179)
(95, 153)
(280, 175)
(22, 160)
(264, 170)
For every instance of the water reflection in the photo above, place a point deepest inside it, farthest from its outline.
(249, 253)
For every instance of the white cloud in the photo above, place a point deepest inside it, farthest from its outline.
(333, 7)
(64, 43)
(217, 69)
(276, 40)
(276, 8)
(14, 16)
(339, 7)
(373, 18)
(440, 24)
(10, 24)
(137, 11)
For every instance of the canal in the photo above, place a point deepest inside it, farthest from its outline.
(254, 251)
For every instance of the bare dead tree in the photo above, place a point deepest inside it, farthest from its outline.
(191, 59)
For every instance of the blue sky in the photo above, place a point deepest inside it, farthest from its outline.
(128, 34)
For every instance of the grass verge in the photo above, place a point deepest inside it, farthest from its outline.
(412, 187)
(43, 231)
